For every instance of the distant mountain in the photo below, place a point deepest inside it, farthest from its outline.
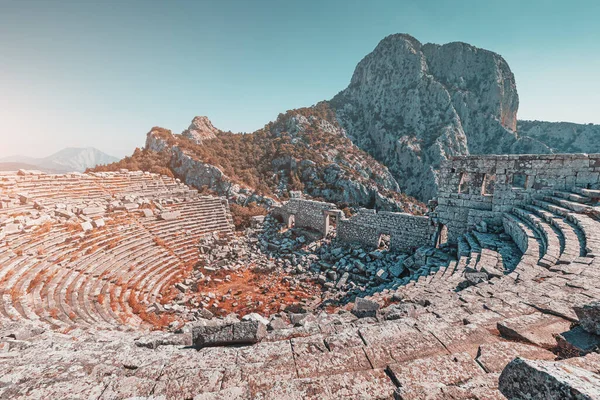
(563, 137)
(70, 159)
(15, 166)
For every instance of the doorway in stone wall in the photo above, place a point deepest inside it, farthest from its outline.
(331, 222)
(384, 242)
(332, 218)
(442, 236)
(291, 222)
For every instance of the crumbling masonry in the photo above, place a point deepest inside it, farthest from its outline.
(407, 232)
(476, 189)
(473, 191)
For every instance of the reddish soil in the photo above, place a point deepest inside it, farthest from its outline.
(249, 291)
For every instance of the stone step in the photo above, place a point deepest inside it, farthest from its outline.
(590, 193)
(550, 237)
(574, 238)
(569, 205)
(574, 197)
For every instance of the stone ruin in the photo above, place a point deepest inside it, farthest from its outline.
(406, 232)
(513, 312)
(482, 189)
(98, 249)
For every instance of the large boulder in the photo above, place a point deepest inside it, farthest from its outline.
(589, 317)
(364, 308)
(245, 332)
(547, 380)
(578, 341)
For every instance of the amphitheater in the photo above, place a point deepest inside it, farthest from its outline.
(513, 315)
(92, 250)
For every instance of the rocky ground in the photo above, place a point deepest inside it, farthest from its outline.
(272, 269)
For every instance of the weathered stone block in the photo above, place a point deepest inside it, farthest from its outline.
(246, 332)
(365, 308)
(589, 317)
(526, 379)
(170, 215)
(578, 341)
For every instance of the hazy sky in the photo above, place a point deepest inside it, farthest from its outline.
(102, 73)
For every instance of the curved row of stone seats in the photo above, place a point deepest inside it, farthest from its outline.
(584, 222)
(55, 188)
(63, 290)
(550, 237)
(572, 202)
(526, 240)
(573, 239)
(553, 291)
(198, 218)
(103, 278)
(16, 275)
(452, 277)
(115, 279)
(128, 250)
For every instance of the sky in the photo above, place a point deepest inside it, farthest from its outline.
(78, 73)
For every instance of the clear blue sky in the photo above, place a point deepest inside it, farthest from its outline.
(102, 73)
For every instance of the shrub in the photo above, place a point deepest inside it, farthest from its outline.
(242, 215)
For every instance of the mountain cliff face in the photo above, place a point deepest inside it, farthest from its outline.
(412, 106)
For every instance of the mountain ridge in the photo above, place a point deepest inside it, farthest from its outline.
(69, 159)
(409, 106)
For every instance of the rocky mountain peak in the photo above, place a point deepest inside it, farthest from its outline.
(201, 129)
(412, 105)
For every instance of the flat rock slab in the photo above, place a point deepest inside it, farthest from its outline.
(260, 366)
(246, 332)
(495, 356)
(463, 338)
(537, 328)
(327, 362)
(591, 362)
(392, 342)
(169, 215)
(234, 393)
(371, 384)
(589, 317)
(156, 339)
(548, 380)
(419, 376)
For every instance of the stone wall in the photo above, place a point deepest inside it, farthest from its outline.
(481, 188)
(307, 214)
(407, 232)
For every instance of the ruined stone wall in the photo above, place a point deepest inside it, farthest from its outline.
(481, 188)
(407, 232)
(306, 213)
